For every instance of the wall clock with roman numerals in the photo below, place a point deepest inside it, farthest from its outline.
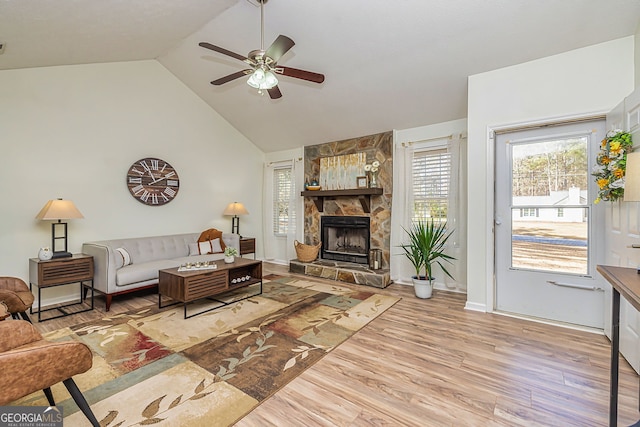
(152, 181)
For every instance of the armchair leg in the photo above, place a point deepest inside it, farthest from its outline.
(47, 392)
(25, 316)
(80, 401)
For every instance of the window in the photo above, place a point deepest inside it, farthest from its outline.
(560, 212)
(431, 183)
(531, 212)
(283, 210)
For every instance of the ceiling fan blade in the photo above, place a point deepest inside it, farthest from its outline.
(300, 74)
(274, 92)
(236, 75)
(279, 47)
(222, 51)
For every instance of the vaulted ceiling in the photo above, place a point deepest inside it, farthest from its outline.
(388, 64)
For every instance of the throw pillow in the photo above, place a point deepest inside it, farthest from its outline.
(216, 246)
(212, 234)
(193, 249)
(204, 247)
(122, 257)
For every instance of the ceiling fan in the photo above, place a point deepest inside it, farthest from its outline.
(264, 63)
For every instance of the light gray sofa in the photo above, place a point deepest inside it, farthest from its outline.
(148, 256)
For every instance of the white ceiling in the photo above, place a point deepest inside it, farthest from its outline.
(388, 64)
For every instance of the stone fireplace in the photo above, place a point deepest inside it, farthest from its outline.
(345, 262)
(345, 238)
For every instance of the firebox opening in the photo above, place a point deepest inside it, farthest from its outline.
(345, 238)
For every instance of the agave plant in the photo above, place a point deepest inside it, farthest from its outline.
(427, 240)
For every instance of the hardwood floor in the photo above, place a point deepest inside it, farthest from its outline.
(432, 363)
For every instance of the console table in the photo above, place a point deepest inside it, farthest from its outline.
(61, 271)
(625, 282)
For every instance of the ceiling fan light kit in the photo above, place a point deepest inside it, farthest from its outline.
(261, 79)
(262, 74)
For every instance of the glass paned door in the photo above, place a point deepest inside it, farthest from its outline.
(544, 233)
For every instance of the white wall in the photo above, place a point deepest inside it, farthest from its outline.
(401, 269)
(73, 131)
(592, 79)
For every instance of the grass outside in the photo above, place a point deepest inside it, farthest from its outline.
(550, 257)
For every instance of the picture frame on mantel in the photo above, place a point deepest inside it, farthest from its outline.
(361, 182)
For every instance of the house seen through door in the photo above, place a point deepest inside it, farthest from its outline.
(546, 230)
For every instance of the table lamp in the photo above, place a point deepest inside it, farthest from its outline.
(59, 209)
(235, 209)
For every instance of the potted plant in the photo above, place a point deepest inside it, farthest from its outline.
(229, 254)
(427, 240)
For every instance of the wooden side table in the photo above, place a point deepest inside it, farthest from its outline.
(248, 246)
(62, 271)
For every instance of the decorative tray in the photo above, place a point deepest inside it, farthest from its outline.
(194, 268)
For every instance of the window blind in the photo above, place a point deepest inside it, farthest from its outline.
(431, 183)
(283, 209)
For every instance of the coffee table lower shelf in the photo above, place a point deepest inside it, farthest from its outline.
(188, 286)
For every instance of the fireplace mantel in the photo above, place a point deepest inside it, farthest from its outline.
(363, 194)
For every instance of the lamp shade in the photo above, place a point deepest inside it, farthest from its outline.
(235, 209)
(261, 79)
(59, 209)
(632, 178)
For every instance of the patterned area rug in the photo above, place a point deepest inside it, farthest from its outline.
(152, 366)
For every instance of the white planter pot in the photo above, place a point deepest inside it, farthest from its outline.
(422, 288)
(229, 259)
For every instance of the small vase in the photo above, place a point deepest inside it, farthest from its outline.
(373, 179)
(229, 259)
(45, 254)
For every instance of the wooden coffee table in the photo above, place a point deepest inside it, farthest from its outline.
(191, 285)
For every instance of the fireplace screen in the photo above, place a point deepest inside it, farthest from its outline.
(345, 238)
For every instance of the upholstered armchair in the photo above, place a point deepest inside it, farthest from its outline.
(29, 363)
(16, 295)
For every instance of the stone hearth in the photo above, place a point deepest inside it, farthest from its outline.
(348, 272)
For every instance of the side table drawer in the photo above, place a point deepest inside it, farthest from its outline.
(247, 246)
(59, 271)
(205, 285)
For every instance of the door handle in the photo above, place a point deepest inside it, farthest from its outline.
(575, 285)
(498, 220)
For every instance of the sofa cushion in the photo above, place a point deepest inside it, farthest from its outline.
(145, 271)
(193, 249)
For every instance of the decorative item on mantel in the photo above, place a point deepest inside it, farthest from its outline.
(340, 172)
(372, 171)
(313, 186)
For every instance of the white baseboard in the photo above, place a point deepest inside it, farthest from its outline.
(474, 306)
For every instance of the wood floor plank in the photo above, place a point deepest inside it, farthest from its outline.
(433, 363)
